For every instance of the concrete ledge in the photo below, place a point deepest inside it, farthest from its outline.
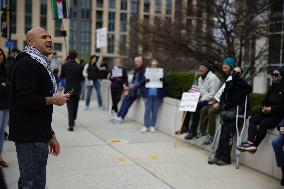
(169, 120)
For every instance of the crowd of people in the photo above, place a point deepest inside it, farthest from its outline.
(29, 89)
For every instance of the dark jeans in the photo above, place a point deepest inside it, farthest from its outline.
(72, 107)
(278, 143)
(115, 97)
(223, 152)
(258, 126)
(195, 119)
(126, 103)
(32, 159)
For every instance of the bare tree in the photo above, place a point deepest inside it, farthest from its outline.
(209, 30)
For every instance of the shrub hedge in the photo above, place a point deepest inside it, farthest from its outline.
(179, 82)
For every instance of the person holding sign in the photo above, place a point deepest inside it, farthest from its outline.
(234, 94)
(154, 95)
(208, 85)
(207, 122)
(119, 80)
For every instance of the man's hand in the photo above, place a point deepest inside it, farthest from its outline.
(54, 146)
(282, 130)
(216, 105)
(266, 110)
(58, 99)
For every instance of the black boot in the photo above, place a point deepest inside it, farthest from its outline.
(190, 135)
(282, 180)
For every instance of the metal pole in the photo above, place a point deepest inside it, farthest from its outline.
(65, 42)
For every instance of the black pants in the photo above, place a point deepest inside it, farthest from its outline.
(115, 97)
(72, 107)
(258, 126)
(195, 119)
(223, 152)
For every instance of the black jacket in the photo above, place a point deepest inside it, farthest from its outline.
(30, 117)
(234, 94)
(274, 98)
(72, 73)
(4, 88)
(95, 73)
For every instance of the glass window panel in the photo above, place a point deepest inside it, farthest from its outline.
(123, 5)
(112, 4)
(100, 3)
(274, 48)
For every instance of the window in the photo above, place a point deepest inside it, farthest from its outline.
(100, 3)
(133, 7)
(123, 5)
(13, 16)
(99, 16)
(169, 7)
(28, 15)
(57, 29)
(110, 45)
(99, 25)
(146, 5)
(276, 49)
(122, 44)
(111, 4)
(85, 13)
(43, 13)
(123, 22)
(86, 4)
(111, 21)
(158, 6)
(57, 46)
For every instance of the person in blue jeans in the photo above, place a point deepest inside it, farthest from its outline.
(92, 71)
(153, 100)
(4, 103)
(278, 143)
(133, 90)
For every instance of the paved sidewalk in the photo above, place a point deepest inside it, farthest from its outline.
(103, 155)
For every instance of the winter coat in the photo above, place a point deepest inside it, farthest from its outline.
(4, 88)
(30, 117)
(234, 93)
(209, 86)
(274, 98)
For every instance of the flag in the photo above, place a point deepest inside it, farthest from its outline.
(194, 89)
(59, 8)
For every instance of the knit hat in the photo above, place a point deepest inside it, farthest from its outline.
(281, 71)
(206, 64)
(230, 61)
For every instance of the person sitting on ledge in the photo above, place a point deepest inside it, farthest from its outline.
(271, 113)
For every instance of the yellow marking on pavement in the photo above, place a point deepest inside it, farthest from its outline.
(121, 160)
(153, 157)
(115, 141)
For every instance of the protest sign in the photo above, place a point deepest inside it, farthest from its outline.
(221, 90)
(154, 75)
(101, 38)
(189, 101)
(116, 72)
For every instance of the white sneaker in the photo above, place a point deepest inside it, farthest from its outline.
(117, 120)
(144, 129)
(152, 129)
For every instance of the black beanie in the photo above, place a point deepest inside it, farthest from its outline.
(206, 64)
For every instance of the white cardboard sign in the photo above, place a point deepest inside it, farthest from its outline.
(116, 72)
(189, 101)
(154, 75)
(221, 90)
(101, 38)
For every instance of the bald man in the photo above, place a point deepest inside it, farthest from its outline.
(33, 93)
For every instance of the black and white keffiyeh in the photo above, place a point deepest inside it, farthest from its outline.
(39, 57)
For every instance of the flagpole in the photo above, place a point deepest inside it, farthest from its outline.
(65, 42)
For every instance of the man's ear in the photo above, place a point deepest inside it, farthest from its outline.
(30, 43)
